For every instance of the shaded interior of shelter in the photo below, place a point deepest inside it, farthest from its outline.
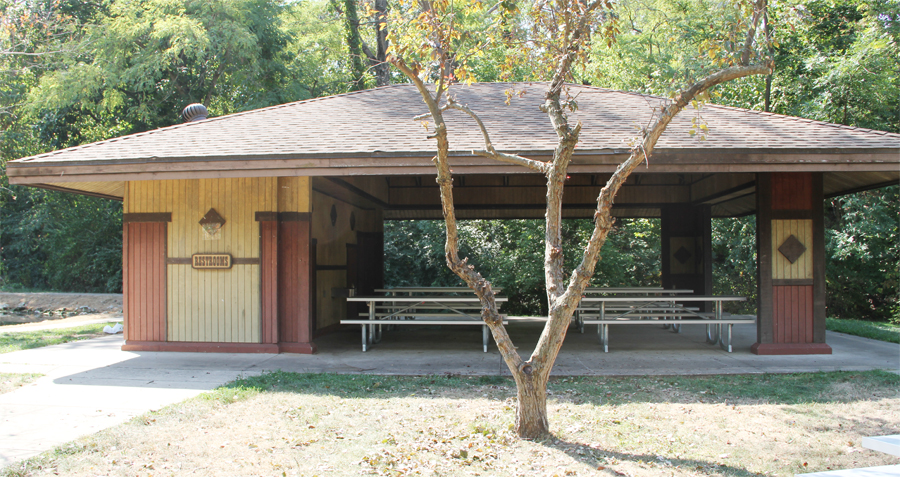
(684, 202)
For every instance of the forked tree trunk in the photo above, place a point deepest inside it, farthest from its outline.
(531, 408)
(563, 295)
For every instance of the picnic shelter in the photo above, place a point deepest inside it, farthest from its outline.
(243, 233)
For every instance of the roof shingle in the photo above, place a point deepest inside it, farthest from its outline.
(379, 123)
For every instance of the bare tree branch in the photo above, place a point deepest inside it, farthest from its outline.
(492, 153)
(759, 9)
(603, 216)
(482, 288)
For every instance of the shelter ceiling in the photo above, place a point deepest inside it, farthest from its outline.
(523, 196)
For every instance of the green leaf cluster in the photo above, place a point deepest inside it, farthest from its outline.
(862, 265)
(77, 72)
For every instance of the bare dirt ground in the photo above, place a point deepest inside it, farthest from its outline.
(21, 310)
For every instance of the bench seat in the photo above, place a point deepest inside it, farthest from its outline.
(714, 326)
(369, 332)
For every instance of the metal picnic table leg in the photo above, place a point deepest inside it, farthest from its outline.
(717, 337)
(371, 338)
(604, 337)
(711, 337)
(719, 325)
(365, 340)
(726, 343)
(603, 329)
(485, 336)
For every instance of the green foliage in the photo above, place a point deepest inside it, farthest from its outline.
(734, 261)
(149, 59)
(509, 253)
(61, 242)
(112, 68)
(867, 329)
(838, 62)
(17, 341)
(664, 44)
(317, 65)
(863, 255)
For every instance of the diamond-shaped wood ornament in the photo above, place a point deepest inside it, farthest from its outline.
(792, 248)
(682, 255)
(212, 222)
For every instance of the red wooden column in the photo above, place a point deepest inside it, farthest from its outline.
(295, 270)
(686, 243)
(144, 276)
(791, 264)
(268, 271)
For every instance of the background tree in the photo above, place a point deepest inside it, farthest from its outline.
(836, 61)
(94, 70)
(433, 46)
(366, 55)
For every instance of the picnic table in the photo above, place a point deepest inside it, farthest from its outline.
(428, 290)
(648, 310)
(577, 317)
(436, 309)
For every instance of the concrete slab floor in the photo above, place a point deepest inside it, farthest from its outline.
(92, 385)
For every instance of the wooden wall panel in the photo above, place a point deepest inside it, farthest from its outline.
(210, 305)
(792, 306)
(782, 268)
(144, 280)
(792, 190)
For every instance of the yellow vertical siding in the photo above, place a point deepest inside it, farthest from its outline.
(782, 268)
(293, 194)
(210, 305)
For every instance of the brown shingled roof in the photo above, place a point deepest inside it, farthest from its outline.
(369, 130)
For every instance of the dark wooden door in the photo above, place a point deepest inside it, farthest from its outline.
(352, 279)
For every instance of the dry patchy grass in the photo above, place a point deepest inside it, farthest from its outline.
(288, 424)
(12, 381)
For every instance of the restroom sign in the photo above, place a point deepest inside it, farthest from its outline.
(211, 261)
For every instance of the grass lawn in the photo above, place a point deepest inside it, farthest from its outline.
(12, 381)
(867, 329)
(304, 424)
(15, 341)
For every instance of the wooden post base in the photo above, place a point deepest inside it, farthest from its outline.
(194, 347)
(764, 349)
(299, 348)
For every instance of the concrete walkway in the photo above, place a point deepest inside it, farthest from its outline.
(92, 385)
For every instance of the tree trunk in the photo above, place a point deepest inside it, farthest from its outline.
(354, 44)
(531, 409)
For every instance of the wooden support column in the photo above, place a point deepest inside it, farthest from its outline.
(686, 245)
(268, 261)
(295, 268)
(144, 276)
(790, 264)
